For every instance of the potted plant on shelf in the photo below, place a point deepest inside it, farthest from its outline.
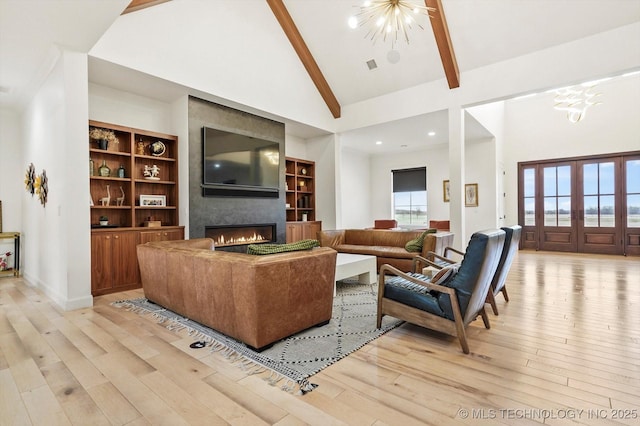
(103, 136)
(104, 221)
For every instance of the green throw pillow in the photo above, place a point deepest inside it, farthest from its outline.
(415, 245)
(261, 249)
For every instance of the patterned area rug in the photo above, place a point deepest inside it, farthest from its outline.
(290, 362)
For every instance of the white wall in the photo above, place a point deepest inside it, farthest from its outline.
(324, 150)
(56, 237)
(535, 131)
(180, 123)
(480, 168)
(437, 171)
(295, 147)
(355, 187)
(128, 109)
(12, 170)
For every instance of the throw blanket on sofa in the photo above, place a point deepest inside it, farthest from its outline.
(260, 249)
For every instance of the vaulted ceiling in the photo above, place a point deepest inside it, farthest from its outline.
(236, 50)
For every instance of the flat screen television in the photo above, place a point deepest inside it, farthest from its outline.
(232, 161)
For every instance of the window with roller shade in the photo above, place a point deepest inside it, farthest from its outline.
(410, 196)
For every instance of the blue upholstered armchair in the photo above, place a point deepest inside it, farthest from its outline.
(498, 284)
(452, 298)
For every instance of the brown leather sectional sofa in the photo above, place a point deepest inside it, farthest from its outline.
(255, 299)
(386, 245)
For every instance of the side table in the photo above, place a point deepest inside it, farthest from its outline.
(16, 252)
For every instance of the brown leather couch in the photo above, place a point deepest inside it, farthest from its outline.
(386, 245)
(255, 299)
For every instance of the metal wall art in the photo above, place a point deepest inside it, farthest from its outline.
(42, 187)
(37, 184)
(30, 179)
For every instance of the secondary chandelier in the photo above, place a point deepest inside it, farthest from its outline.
(389, 18)
(576, 100)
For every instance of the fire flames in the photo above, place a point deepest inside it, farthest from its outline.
(230, 241)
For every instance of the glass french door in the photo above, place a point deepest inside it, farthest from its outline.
(599, 206)
(546, 207)
(587, 205)
(631, 206)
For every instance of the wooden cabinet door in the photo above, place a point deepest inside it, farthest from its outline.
(101, 262)
(310, 230)
(148, 236)
(294, 232)
(173, 234)
(125, 259)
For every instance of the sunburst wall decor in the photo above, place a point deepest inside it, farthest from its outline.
(30, 179)
(42, 187)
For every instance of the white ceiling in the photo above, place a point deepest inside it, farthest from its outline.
(221, 38)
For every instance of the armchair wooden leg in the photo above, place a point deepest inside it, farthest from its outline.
(462, 337)
(485, 318)
(491, 299)
(381, 279)
(504, 293)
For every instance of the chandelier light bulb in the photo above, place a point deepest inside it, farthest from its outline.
(353, 22)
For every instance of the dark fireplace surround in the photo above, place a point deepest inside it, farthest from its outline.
(232, 212)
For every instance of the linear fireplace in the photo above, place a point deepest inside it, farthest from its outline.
(240, 235)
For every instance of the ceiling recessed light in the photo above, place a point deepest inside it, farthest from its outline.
(431, 133)
(403, 146)
(378, 142)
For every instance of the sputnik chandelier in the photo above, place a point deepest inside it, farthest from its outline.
(575, 100)
(389, 19)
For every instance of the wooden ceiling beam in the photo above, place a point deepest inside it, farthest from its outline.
(443, 40)
(291, 31)
(141, 4)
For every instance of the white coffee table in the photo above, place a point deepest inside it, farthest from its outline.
(349, 265)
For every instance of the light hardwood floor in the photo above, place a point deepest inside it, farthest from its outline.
(564, 350)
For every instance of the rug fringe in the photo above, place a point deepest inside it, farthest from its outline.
(247, 365)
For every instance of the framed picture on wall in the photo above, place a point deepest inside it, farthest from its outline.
(446, 191)
(471, 195)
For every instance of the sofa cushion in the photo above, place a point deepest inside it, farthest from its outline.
(411, 294)
(379, 251)
(416, 243)
(261, 249)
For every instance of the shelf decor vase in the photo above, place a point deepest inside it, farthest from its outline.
(104, 170)
(103, 144)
